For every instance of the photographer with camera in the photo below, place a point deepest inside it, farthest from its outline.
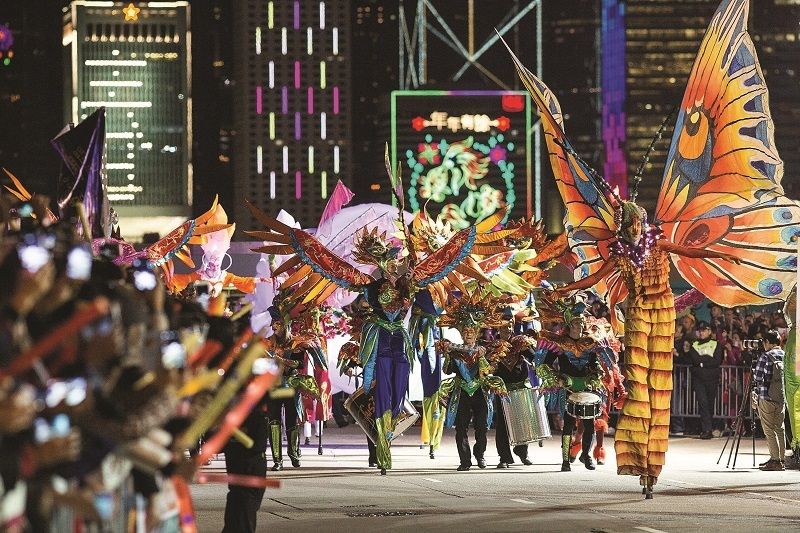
(768, 398)
(706, 354)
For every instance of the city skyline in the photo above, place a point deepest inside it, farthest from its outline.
(574, 40)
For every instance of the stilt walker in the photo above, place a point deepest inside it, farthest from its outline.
(721, 215)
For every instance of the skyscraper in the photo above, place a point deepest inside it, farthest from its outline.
(30, 102)
(374, 38)
(292, 105)
(774, 25)
(662, 39)
(136, 61)
(212, 98)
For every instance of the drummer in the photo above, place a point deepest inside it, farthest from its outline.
(512, 363)
(469, 394)
(578, 369)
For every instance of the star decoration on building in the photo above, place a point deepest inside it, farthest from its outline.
(131, 13)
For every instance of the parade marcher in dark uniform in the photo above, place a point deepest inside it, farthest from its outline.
(285, 399)
(511, 365)
(242, 503)
(470, 393)
(706, 354)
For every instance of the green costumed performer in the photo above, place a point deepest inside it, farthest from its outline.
(791, 376)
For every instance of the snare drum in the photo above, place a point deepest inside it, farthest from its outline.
(361, 407)
(584, 405)
(525, 416)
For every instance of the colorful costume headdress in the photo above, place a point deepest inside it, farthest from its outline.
(475, 310)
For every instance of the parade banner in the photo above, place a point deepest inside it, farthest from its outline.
(81, 150)
(463, 154)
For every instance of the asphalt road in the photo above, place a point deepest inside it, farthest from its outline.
(337, 492)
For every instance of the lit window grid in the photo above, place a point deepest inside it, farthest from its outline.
(294, 109)
(156, 167)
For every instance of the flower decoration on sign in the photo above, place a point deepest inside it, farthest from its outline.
(458, 176)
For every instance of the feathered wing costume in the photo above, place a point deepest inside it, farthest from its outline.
(721, 214)
(386, 351)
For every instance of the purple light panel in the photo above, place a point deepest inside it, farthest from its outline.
(259, 99)
(296, 15)
(336, 100)
(310, 98)
(298, 185)
(615, 165)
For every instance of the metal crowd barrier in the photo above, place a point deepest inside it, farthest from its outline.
(730, 393)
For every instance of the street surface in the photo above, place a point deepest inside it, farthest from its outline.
(338, 492)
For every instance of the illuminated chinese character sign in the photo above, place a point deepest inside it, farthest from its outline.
(463, 154)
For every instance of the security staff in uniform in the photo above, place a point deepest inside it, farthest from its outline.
(706, 355)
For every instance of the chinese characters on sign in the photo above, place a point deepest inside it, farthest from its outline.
(477, 123)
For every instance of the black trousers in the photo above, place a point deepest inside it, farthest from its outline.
(501, 436)
(705, 389)
(242, 504)
(588, 432)
(373, 454)
(471, 408)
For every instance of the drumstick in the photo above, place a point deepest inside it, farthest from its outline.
(227, 391)
(236, 349)
(243, 438)
(97, 308)
(185, 507)
(203, 355)
(256, 482)
(235, 417)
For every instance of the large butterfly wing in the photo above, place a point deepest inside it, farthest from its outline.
(589, 218)
(760, 237)
(723, 157)
(722, 182)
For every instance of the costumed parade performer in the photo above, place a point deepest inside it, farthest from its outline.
(470, 394)
(578, 374)
(721, 213)
(424, 334)
(386, 349)
(285, 408)
(613, 392)
(349, 362)
(512, 357)
(317, 409)
(791, 379)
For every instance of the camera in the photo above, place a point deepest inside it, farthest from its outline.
(753, 344)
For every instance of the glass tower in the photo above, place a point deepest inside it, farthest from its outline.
(139, 70)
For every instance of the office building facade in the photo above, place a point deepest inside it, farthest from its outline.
(291, 106)
(138, 66)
